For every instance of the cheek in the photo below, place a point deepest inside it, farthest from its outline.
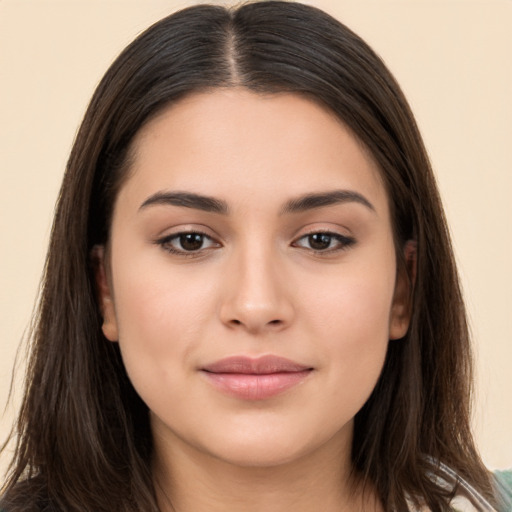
(151, 295)
(349, 321)
(162, 317)
(352, 303)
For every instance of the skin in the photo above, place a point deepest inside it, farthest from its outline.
(255, 287)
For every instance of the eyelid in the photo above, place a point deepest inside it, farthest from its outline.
(165, 242)
(345, 241)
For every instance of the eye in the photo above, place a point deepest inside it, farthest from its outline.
(324, 242)
(187, 243)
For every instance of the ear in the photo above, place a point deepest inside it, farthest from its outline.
(401, 308)
(105, 297)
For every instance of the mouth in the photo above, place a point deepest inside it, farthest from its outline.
(255, 378)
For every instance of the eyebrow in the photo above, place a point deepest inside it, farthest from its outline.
(322, 199)
(187, 200)
(300, 204)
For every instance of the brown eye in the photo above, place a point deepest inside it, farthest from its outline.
(191, 241)
(324, 242)
(320, 241)
(187, 243)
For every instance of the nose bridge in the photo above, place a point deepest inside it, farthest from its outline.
(257, 297)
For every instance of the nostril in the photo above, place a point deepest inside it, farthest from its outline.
(272, 322)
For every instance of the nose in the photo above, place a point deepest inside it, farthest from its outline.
(257, 295)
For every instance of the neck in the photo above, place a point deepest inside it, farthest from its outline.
(187, 480)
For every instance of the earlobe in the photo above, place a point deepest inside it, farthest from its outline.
(401, 309)
(105, 298)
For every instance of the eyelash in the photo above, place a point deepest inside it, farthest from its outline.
(344, 242)
(166, 242)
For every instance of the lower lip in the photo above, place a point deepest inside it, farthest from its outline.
(256, 386)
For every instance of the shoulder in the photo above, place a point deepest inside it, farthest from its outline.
(465, 497)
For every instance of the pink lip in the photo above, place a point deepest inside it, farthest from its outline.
(255, 379)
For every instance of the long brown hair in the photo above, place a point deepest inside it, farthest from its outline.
(83, 438)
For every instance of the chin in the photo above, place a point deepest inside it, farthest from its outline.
(257, 456)
(270, 446)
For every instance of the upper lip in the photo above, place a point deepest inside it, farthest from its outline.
(258, 366)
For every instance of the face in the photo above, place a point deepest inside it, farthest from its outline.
(251, 277)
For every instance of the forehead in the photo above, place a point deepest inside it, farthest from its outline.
(233, 142)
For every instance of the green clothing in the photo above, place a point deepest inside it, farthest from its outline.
(504, 486)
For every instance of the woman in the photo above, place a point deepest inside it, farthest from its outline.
(238, 310)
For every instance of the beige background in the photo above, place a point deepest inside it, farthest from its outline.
(454, 61)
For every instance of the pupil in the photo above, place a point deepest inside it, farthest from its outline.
(319, 241)
(191, 241)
